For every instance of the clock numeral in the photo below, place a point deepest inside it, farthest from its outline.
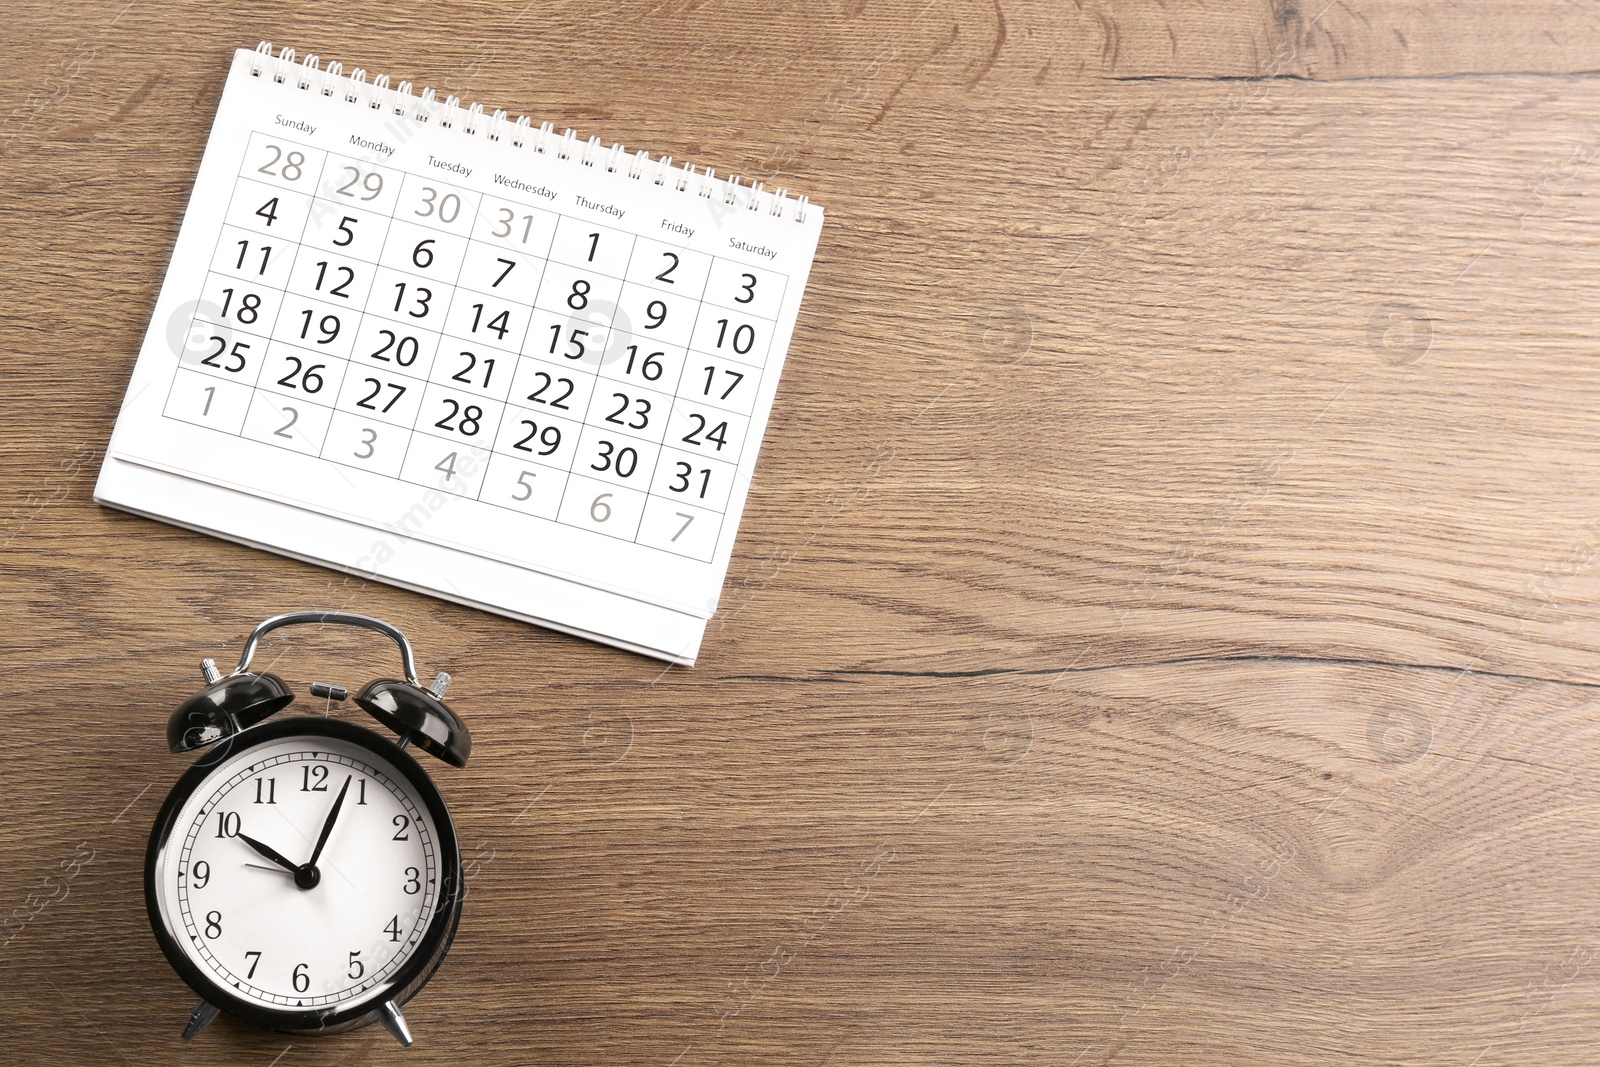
(413, 884)
(251, 973)
(361, 791)
(393, 929)
(199, 875)
(401, 822)
(271, 791)
(357, 968)
(302, 980)
(213, 924)
(310, 771)
(227, 824)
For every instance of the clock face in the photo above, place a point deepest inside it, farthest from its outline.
(236, 893)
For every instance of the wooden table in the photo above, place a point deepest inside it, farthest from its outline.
(1163, 630)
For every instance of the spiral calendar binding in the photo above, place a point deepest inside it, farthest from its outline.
(425, 107)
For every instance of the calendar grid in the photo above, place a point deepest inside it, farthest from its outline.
(320, 203)
(633, 245)
(688, 351)
(455, 289)
(264, 339)
(370, 387)
(365, 312)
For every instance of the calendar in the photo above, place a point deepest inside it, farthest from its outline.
(431, 346)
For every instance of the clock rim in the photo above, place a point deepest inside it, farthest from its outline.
(431, 950)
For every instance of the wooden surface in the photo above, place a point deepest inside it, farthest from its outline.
(1164, 628)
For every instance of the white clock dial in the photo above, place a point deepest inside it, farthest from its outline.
(245, 921)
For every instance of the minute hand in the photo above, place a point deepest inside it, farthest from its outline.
(327, 826)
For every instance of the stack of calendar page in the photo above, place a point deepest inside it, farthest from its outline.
(434, 347)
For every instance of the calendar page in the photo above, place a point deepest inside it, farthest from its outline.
(465, 355)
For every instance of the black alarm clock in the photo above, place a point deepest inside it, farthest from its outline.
(304, 874)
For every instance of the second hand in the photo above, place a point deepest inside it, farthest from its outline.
(264, 867)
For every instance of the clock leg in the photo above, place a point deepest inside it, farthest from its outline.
(200, 1019)
(393, 1021)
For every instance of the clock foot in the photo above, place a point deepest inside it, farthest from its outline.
(392, 1020)
(200, 1019)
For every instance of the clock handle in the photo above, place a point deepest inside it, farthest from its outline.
(339, 618)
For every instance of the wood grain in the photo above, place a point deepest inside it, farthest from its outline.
(1163, 628)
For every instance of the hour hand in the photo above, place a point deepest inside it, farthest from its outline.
(271, 853)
